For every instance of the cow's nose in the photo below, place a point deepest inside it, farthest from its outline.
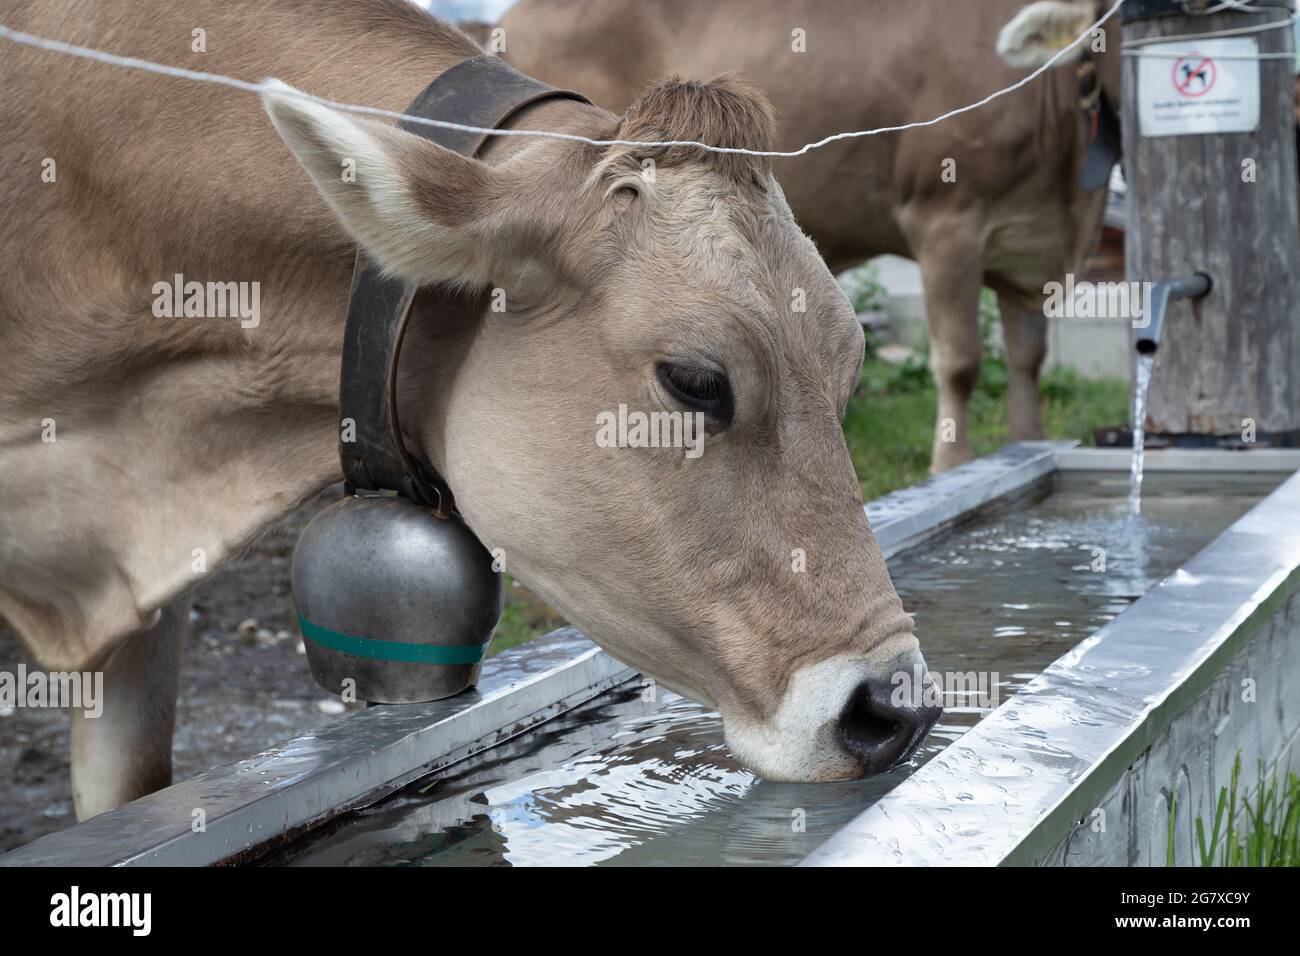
(884, 728)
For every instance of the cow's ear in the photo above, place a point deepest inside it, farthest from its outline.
(1042, 29)
(422, 212)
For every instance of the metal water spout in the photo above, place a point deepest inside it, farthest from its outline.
(1147, 340)
(1195, 286)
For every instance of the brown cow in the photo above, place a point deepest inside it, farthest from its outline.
(139, 449)
(987, 198)
(477, 30)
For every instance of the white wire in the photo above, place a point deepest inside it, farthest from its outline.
(1244, 6)
(1157, 55)
(1231, 32)
(1241, 6)
(1135, 47)
(134, 63)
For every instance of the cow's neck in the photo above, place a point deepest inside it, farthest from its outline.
(180, 439)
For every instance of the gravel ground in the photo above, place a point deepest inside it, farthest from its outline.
(244, 686)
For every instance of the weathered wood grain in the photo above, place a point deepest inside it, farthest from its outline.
(1234, 355)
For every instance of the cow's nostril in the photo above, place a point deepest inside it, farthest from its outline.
(866, 730)
(881, 732)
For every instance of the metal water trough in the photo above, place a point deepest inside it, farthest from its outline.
(1147, 707)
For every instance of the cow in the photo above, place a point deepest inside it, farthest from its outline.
(988, 198)
(480, 31)
(139, 449)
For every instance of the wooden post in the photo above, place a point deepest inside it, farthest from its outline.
(1234, 356)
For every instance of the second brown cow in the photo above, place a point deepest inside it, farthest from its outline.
(992, 197)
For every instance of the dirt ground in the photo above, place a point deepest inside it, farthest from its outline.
(245, 684)
(243, 688)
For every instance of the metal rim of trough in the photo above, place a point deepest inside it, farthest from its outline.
(993, 798)
(349, 763)
(359, 759)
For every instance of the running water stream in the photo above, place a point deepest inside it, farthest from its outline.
(1141, 385)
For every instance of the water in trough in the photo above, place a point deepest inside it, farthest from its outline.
(641, 778)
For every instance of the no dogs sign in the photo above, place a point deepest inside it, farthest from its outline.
(1191, 87)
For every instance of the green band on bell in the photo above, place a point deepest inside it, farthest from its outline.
(391, 650)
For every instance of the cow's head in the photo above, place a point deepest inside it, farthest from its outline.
(1043, 28)
(619, 283)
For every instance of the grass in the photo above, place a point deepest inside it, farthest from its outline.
(524, 617)
(1260, 829)
(890, 422)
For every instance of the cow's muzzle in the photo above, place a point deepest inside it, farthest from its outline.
(885, 720)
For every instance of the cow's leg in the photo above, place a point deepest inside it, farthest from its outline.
(126, 751)
(1025, 335)
(952, 274)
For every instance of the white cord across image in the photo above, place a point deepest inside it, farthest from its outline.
(134, 63)
(1135, 47)
(1131, 48)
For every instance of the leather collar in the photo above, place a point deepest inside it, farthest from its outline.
(482, 91)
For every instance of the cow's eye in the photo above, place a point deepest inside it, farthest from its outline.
(699, 389)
